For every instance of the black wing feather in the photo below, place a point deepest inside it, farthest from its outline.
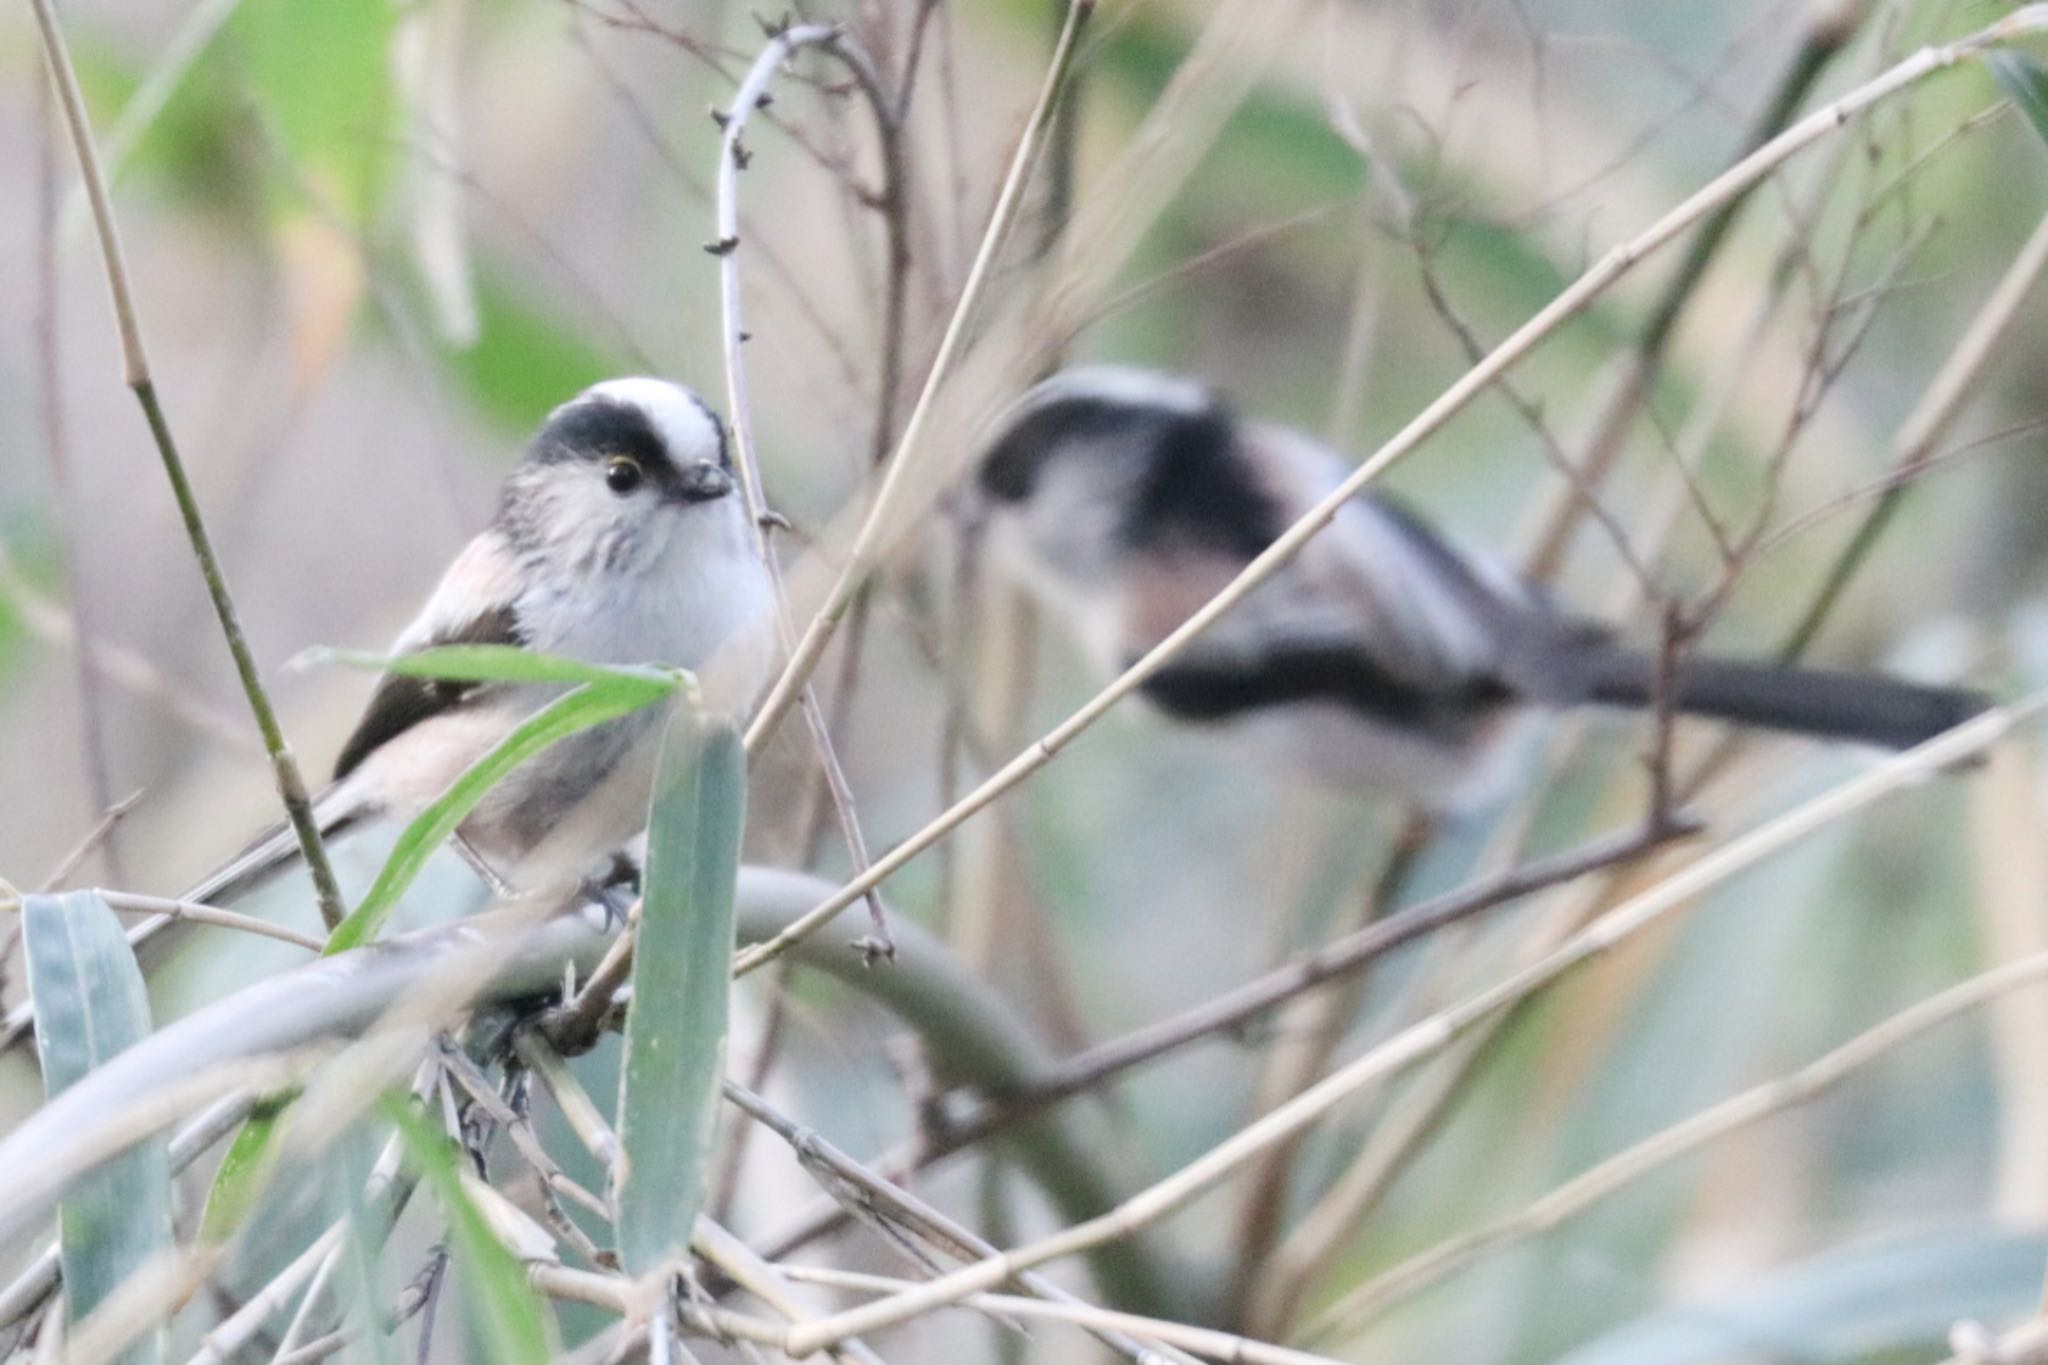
(401, 702)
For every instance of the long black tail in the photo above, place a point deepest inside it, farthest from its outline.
(1862, 707)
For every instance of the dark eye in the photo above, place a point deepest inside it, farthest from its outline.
(622, 475)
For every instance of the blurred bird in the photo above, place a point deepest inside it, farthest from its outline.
(617, 540)
(1381, 657)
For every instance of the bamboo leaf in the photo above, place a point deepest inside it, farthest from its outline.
(602, 694)
(243, 1172)
(497, 663)
(675, 1033)
(361, 1275)
(1892, 1299)
(2024, 81)
(510, 1324)
(90, 1005)
(591, 703)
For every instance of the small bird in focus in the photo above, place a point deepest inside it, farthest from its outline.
(1382, 657)
(620, 538)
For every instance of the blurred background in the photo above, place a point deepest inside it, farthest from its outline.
(374, 243)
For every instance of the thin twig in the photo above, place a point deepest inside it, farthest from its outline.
(1931, 419)
(573, 1025)
(737, 1262)
(1225, 1346)
(732, 157)
(128, 902)
(554, 1181)
(900, 1205)
(291, 787)
(92, 703)
(126, 668)
(1827, 33)
(574, 1102)
(386, 1191)
(1332, 962)
(101, 831)
(867, 544)
(1307, 1038)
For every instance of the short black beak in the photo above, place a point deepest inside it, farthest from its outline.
(703, 482)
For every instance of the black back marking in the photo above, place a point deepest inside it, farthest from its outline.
(401, 702)
(1217, 689)
(596, 429)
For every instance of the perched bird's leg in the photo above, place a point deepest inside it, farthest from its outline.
(500, 888)
(616, 890)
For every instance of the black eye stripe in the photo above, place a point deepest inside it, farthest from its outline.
(600, 430)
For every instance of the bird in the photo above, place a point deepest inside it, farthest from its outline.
(620, 538)
(1383, 657)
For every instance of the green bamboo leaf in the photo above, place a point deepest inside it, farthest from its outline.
(592, 703)
(90, 1005)
(675, 1033)
(243, 1172)
(496, 663)
(506, 1315)
(2025, 82)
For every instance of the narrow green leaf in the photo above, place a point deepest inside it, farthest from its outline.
(90, 1005)
(2025, 82)
(505, 1313)
(675, 1033)
(497, 663)
(592, 703)
(243, 1172)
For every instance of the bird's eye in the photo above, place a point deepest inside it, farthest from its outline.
(622, 475)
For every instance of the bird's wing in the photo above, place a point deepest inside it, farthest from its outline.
(474, 605)
(1421, 610)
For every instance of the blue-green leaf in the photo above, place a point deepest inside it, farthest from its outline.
(1865, 1301)
(90, 1006)
(675, 1032)
(2025, 82)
